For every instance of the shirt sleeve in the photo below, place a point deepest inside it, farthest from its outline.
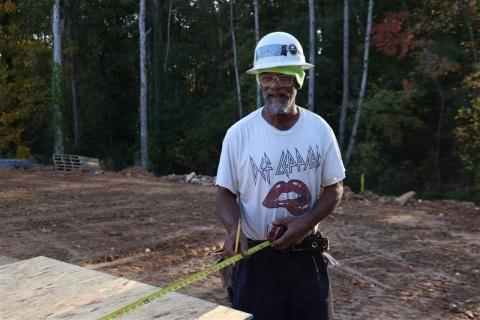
(333, 170)
(227, 172)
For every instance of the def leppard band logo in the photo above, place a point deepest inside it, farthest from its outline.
(289, 162)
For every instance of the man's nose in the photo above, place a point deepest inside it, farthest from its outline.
(276, 82)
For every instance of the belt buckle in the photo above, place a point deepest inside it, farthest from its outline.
(295, 249)
(305, 246)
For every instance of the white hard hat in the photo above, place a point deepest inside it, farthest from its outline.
(278, 49)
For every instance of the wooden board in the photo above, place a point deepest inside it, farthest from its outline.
(44, 288)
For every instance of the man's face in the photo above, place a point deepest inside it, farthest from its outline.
(279, 98)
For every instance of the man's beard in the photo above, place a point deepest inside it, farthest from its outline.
(278, 104)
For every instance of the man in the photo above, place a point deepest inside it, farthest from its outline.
(280, 165)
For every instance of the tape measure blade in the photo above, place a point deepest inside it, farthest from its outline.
(182, 283)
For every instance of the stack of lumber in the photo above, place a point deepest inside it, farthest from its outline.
(68, 162)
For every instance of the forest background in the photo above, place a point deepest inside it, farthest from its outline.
(414, 126)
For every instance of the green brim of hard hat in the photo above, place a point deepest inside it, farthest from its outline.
(296, 71)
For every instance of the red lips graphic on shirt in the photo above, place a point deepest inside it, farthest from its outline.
(292, 195)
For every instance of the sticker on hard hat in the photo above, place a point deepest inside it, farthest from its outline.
(275, 50)
(293, 49)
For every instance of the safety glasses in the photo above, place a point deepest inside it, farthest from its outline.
(283, 81)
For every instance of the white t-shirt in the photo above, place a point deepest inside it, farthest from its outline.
(278, 173)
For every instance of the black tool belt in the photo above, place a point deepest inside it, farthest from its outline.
(312, 242)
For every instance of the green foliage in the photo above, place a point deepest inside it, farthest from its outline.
(389, 117)
(420, 59)
(467, 131)
(24, 105)
(391, 129)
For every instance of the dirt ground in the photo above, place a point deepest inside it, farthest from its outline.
(418, 261)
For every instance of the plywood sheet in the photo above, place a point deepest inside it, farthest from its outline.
(44, 288)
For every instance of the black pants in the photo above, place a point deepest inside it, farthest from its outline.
(283, 286)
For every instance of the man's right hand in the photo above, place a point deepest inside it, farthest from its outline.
(229, 244)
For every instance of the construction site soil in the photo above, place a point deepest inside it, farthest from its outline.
(415, 261)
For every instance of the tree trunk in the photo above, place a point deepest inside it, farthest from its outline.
(311, 72)
(346, 73)
(75, 111)
(471, 35)
(73, 83)
(167, 51)
(364, 84)
(57, 92)
(235, 62)
(157, 66)
(257, 39)
(436, 159)
(143, 88)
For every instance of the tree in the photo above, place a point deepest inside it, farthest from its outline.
(143, 88)
(364, 84)
(25, 79)
(312, 52)
(468, 11)
(235, 62)
(57, 78)
(157, 58)
(433, 67)
(108, 81)
(467, 131)
(167, 51)
(346, 88)
(257, 39)
(420, 53)
(70, 16)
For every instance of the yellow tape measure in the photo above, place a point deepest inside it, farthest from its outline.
(182, 283)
